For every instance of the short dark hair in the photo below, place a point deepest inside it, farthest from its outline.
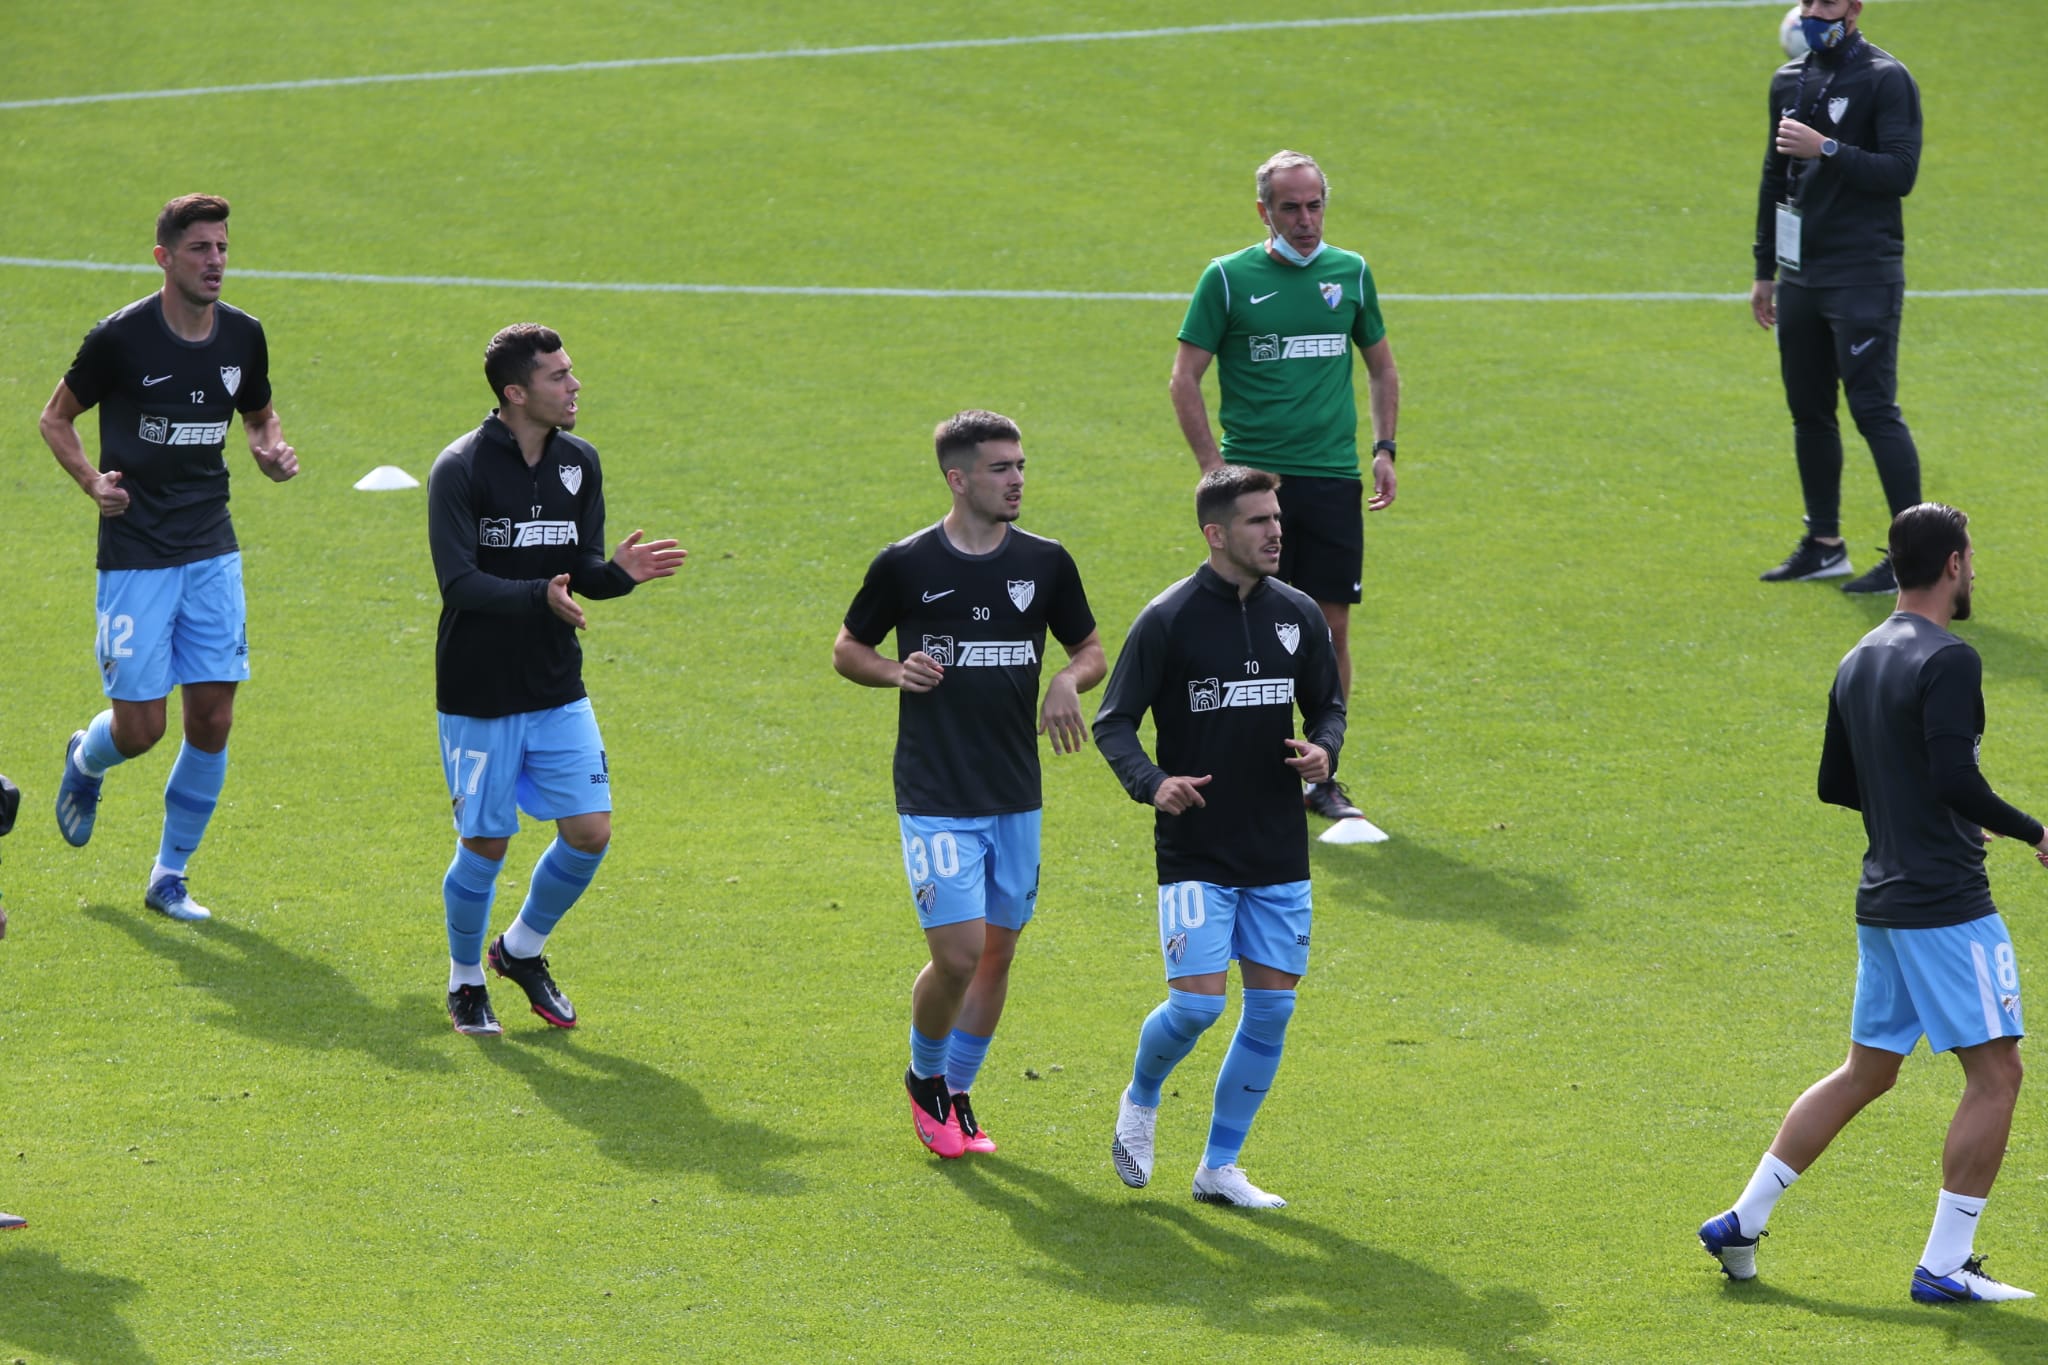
(1923, 537)
(959, 437)
(1217, 494)
(186, 210)
(515, 352)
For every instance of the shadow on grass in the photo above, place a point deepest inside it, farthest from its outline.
(278, 996)
(643, 1118)
(2006, 653)
(1977, 1328)
(54, 1312)
(1416, 882)
(1267, 1274)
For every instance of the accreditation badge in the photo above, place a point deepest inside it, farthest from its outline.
(1788, 237)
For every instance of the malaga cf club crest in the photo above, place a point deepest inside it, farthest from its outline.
(1289, 633)
(231, 378)
(572, 477)
(1333, 293)
(1022, 590)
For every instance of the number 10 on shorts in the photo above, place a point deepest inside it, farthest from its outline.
(1181, 905)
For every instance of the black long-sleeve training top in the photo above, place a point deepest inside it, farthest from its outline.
(1222, 677)
(499, 529)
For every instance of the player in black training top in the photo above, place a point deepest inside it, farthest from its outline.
(1844, 151)
(971, 600)
(515, 519)
(168, 373)
(1905, 723)
(1222, 659)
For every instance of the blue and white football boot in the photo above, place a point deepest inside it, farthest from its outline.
(1966, 1284)
(168, 896)
(1723, 1239)
(78, 797)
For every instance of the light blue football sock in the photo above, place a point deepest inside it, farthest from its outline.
(964, 1055)
(189, 798)
(1248, 1071)
(96, 752)
(467, 891)
(1170, 1033)
(927, 1055)
(558, 879)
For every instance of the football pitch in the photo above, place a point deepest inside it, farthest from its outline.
(1547, 1028)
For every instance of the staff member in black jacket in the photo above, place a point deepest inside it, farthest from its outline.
(1845, 148)
(515, 518)
(1221, 659)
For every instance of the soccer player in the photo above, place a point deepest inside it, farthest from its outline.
(1844, 152)
(515, 519)
(971, 599)
(1281, 318)
(167, 373)
(10, 802)
(1221, 659)
(1905, 722)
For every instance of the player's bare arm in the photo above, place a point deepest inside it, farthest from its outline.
(1190, 363)
(1060, 714)
(858, 661)
(1383, 383)
(265, 430)
(647, 559)
(1178, 794)
(60, 433)
(1310, 761)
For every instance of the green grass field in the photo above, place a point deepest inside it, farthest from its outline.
(1548, 1028)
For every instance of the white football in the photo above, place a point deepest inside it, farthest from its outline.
(1790, 36)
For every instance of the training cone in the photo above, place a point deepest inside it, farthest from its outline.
(385, 478)
(1357, 831)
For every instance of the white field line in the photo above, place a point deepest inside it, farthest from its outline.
(892, 49)
(840, 291)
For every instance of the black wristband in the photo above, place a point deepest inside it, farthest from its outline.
(1388, 446)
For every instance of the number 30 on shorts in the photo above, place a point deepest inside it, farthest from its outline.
(942, 856)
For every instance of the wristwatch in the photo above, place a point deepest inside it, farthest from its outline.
(1828, 146)
(1388, 446)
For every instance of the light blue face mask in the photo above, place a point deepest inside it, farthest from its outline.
(1823, 35)
(1285, 250)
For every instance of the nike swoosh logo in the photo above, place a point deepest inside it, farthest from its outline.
(147, 382)
(935, 596)
(1868, 342)
(1966, 1213)
(1781, 1181)
(1257, 1089)
(1261, 298)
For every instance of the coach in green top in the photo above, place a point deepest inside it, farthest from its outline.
(1283, 316)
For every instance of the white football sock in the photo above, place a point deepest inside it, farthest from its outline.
(464, 974)
(1773, 1177)
(521, 941)
(1954, 1234)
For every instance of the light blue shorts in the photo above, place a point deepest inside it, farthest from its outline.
(1959, 985)
(159, 628)
(1204, 927)
(549, 764)
(984, 867)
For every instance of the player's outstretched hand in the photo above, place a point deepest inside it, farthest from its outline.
(278, 462)
(106, 490)
(643, 560)
(921, 673)
(1177, 794)
(1310, 762)
(561, 603)
(1060, 715)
